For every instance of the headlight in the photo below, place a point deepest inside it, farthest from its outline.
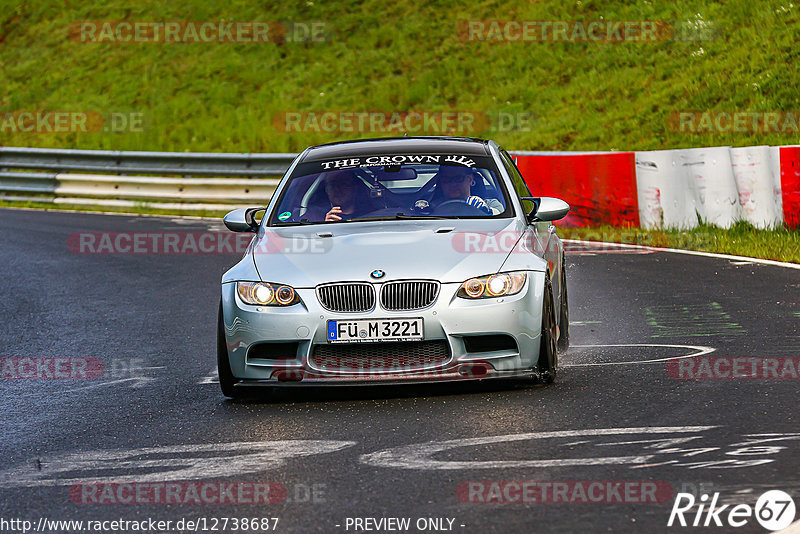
(493, 285)
(266, 294)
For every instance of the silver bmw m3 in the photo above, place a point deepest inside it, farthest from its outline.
(395, 260)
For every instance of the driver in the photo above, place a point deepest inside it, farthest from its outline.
(455, 184)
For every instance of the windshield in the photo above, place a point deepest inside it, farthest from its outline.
(394, 186)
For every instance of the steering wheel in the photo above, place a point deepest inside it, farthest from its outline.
(451, 202)
(457, 207)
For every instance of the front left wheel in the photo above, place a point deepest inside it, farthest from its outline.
(226, 378)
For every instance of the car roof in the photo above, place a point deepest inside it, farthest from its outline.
(399, 145)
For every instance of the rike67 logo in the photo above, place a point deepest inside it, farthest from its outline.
(774, 510)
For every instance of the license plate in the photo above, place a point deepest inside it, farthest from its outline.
(360, 330)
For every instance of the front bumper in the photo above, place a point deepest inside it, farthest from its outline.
(450, 320)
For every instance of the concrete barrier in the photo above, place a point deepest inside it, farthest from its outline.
(666, 193)
(711, 171)
(753, 171)
(599, 187)
(652, 189)
(790, 184)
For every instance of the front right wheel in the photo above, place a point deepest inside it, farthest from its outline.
(563, 319)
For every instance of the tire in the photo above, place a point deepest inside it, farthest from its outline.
(548, 348)
(563, 319)
(226, 378)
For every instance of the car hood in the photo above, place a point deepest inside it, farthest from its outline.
(444, 250)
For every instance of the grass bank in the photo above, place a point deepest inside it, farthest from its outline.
(377, 56)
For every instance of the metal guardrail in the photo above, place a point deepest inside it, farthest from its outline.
(159, 179)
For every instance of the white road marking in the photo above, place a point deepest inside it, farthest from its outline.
(757, 439)
(595, 252)
(700, 351)
(211, 378)
(163, 464)
(140, 381)
(657, 464)
(659, 443)
(694, 253)
(420, 455)
(135, 382)
(212, 225)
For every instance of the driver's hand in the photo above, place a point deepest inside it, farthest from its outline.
(334, 214)
(478, 202)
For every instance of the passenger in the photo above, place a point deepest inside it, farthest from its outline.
(347, 196)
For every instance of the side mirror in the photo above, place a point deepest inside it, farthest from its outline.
(547, 209)
(242, 219)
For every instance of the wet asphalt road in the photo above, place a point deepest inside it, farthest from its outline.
(613, 413)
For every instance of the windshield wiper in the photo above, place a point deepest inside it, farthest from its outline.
(405, 216)
(294, 223)
(360, 219)
(390, 217)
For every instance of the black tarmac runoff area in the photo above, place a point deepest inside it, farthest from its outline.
(676, 402)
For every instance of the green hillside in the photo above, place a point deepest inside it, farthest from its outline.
(382, 57)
